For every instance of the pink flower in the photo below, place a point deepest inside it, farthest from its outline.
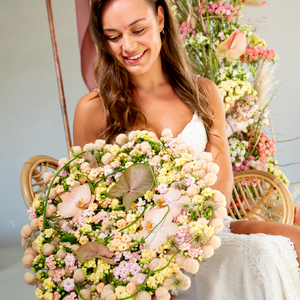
(100, 287)
(194, 252)
(141, 278)
(162, 188)
(56, 296)
(190, 180)
(69, 285)
(185, 246)
(173, 199)
(76, 202)
(70, 260)
(233, 47)
(50, 263)
(72, 296)
(135, 269)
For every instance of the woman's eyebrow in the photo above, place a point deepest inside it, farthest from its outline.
(131, 24)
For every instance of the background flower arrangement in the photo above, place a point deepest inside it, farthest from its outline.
(229, 53)
(121, 221)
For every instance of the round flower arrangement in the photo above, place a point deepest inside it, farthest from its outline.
(122, 221)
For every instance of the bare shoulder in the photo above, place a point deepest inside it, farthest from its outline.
(89, 119)
(213, 93)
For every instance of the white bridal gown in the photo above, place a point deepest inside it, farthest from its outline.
(256, 266)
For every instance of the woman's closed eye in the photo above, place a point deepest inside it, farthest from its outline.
(115, 38)
(139, 31)
(112, 38)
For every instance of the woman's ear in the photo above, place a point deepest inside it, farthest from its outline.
(161, 17)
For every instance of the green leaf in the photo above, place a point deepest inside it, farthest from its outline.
(208, 213)
(133, 183)
(69, 238)
(252, 70)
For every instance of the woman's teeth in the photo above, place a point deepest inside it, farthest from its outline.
(135, 57)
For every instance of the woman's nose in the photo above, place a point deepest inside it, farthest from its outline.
(129, 45)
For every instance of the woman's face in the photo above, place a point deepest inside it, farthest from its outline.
(132, 31)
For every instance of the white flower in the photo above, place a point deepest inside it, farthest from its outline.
(159, 235)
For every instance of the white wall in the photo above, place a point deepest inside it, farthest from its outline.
(30, 116)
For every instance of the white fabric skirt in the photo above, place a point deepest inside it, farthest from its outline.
(246, 267)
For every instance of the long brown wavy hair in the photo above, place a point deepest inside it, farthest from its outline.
(116, 87)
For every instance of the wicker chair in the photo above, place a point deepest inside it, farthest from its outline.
(32, 175)
(259, 195)
(256, 194)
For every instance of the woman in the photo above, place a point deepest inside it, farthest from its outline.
(145, 83)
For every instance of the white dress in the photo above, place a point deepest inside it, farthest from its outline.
(245, 267)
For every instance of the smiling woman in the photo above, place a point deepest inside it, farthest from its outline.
(140, 62)
(145, 82)
(136, 44)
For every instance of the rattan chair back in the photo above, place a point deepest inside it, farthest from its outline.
(32, 175)
(259, 195)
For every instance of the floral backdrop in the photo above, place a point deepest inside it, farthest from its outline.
(229, 52)
(226, 49)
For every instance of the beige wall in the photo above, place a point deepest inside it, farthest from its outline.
(30, 116)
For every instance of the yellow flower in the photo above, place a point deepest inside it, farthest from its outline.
(86, 228)
(38, 293)
(131, 218)
(148, 195)
(132, 229)
(198, 199)
(48, 296)
(277, 173)
(151, 282)
(167, 272)
(159, 278)
(83, 240)
(48, 283)
(115, 149)
(99, 191)
(90, 263)
(114, 203)
(39, 243)
(37, 202)
(162, 263)
(208, 231)
(208, 192)
(119, 291)
(48, 232)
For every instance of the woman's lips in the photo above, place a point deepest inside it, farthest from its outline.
(132, 61)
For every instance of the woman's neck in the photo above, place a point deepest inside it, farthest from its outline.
(151, 81)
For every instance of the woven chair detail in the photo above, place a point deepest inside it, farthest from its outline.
(31, 179)
(259, 195)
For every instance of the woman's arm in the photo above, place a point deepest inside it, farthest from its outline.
(89, 119)
(221, 156)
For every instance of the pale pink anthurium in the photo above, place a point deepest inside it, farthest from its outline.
(159, 235)
(255, 3)
(233, 47)
(74, 203)
(173, 199)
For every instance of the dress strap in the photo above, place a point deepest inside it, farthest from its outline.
(101, 99)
